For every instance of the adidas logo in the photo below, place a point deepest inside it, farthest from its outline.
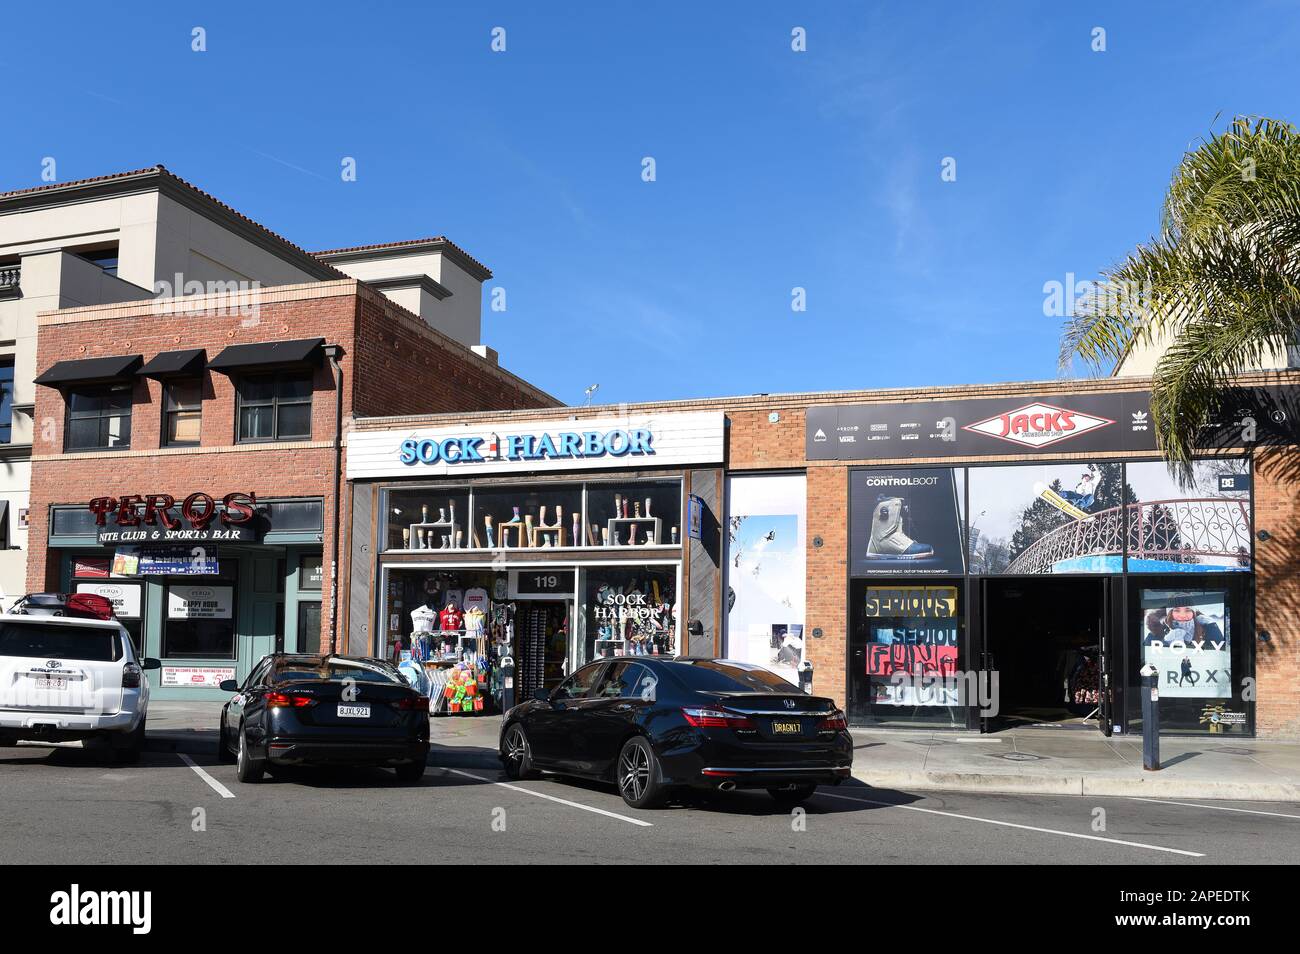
(1139, 420)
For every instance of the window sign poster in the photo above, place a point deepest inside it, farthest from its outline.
(765, 572)
(197, 677)
(1204, 528)
(912, 646)
(185, 601)
(125, 597)
(90, 567)
(1185, 635)
(1048, 518)
(905, 522)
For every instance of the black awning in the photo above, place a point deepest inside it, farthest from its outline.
(167, 363)
(268, 354)
(89, 370)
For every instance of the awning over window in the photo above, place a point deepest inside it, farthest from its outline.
(268, 354)
(168, 363)
(90, 370)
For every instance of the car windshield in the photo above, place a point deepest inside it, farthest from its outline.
(59, 641)
(336, 670)
(708, 675)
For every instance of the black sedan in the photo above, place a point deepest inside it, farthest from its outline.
(652, 725)
(337, 710)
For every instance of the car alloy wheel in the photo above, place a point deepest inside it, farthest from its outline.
(638, 774)
(518, 756)
(248, 769)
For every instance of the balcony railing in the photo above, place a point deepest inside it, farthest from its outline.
(1210, 531)
(9, 279)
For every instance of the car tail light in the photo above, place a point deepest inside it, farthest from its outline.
(284, 700)
(835, 722)
(131, 674)
(717, 719)
(413, 704)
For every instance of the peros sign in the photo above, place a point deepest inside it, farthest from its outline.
(649, 440)
(161, 518)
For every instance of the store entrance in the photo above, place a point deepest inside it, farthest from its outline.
(1045, 639)
(541, 645)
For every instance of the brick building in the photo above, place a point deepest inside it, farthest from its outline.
(911, 545)
(214, 395)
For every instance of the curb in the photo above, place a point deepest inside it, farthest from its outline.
(1090, 785)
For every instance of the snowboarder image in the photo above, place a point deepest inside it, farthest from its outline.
(889, 539)
(1185, 672)
(1084, 493)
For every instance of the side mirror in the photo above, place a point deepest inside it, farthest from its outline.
(151, 663)
(541, 695)
(228, 685)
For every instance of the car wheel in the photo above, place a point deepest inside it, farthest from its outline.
(249, 769)
(127, 751)
(410, 771)
(790, 797)
(517, 754)
(639, 781)
(224, 755)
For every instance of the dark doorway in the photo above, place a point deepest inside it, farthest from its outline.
(1044, 636)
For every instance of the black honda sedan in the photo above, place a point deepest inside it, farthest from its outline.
(652, 725)
(337, 710)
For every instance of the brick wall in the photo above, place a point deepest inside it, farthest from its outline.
(1277, 594)
(393, 363)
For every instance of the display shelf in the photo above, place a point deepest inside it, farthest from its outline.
(536, 532)
(441, 530)
(621, 524)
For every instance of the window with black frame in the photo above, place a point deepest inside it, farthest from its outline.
(6, 399)
(274, 407)
(182, 412)
(99, 418)
(634, 513)
(199, 622)
(904, 653)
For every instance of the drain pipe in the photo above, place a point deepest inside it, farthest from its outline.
(334, 352)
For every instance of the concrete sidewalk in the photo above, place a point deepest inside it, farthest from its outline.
(1024, 761)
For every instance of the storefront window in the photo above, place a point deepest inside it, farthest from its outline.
(91, 575)
(905, 653)
(309, 627)
(641, 513)
(528, 515)
(199, 621)
(629, 612)
(1194, 633)
(1201, 528)
(311, 573)
(428, 519)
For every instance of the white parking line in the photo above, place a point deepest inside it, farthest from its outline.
(216, 786)
(1006, 824)
(552, 798)
(1217, 808)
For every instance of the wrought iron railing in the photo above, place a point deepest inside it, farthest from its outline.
(1203, 530)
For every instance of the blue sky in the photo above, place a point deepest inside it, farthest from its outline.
(775, 169)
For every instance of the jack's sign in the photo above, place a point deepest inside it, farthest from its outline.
(1097, 422)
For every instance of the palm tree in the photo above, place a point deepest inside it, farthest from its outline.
(1220, 284)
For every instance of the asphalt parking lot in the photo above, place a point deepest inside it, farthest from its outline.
(178, 805)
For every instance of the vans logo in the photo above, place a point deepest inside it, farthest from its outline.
(76, 907)
(1038, 425)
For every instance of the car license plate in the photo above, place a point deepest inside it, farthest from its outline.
(787, 728)
(56, 683)
(354, 712)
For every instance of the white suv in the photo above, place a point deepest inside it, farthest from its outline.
(64, 678)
